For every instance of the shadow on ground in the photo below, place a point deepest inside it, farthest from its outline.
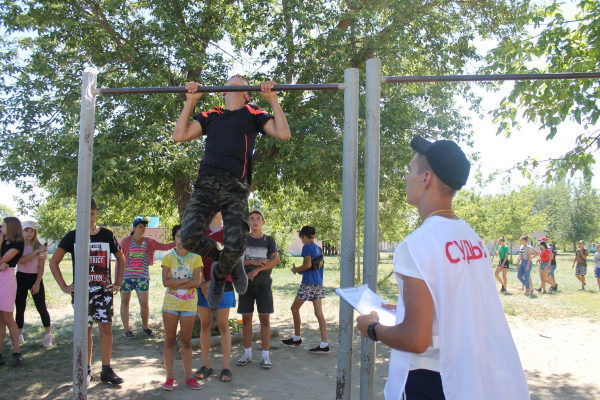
(559, 386)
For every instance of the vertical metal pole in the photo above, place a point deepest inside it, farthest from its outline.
(84, 190)
(349, 200)
(371, 231)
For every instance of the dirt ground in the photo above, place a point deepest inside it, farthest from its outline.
(559, 358)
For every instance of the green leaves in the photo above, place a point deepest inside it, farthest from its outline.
(137, 168)
(558, 45)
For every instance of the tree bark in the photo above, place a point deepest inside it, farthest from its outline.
(182, 190)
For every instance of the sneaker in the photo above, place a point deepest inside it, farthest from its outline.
(48, 340)
(544, 292)
(21, 339)
(128, 335)
(216, 288)
(539, 290)
(108, 375)
(291, 342)
(89, 378)
(265, 363)
(149, 333)
(320, 350)
(244, 360)
(169, 383)
(192, 383)
(17, 360)
(239, 277)
(582, 287)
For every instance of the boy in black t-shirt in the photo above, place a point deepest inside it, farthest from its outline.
(225, 174)
(103, 243)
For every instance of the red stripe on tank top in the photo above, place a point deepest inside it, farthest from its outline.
(245, 155)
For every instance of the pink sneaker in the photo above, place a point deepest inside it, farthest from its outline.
(193, 384)
(168, 385)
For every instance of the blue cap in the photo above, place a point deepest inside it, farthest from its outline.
(138, 221)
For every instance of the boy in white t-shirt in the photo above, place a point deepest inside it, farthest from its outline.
(451, 340)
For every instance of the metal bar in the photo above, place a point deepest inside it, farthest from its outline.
(371, 235)
(206, 89)
(84, 190)
(343, 388)
(508, 77)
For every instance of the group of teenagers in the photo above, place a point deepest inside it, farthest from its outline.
(546, 258)
(525, 261)
(185, 276)
(451, 339)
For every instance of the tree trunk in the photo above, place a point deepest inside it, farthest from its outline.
(182, 190)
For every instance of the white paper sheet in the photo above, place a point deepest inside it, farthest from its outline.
(364, 300)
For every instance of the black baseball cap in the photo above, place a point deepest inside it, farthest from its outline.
(446, 159)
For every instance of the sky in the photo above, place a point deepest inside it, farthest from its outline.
(498, 153)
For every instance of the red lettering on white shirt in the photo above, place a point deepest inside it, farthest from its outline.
(470, 251)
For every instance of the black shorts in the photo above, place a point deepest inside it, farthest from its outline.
(424, 384)
(505, 265)
(259, 292)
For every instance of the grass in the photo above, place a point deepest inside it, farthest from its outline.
(568, 302)
(56, 362)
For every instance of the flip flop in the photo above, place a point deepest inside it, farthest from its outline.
(203, 372)
(226, 375)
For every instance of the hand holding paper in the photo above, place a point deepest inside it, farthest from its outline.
(364, 300)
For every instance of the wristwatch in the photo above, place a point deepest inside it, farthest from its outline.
(371, 331)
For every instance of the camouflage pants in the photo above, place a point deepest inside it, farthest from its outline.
(213, 194)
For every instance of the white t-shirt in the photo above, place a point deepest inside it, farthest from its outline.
(430, 359)
(477, 356)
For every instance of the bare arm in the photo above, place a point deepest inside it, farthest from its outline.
(264, 265)
(414, 334)
(194, 281)
(36, 285)
(188, 283)
(32, 255)
(9, 255)
(186, 130)
(270, 263)
(537, 253)
(278, 126)
(119, 271)
(163, 246)
(167, 281)
(307, 264)
(57, 257)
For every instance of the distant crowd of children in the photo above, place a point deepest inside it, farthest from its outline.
(546, 258)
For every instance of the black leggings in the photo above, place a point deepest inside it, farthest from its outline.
(24, 284)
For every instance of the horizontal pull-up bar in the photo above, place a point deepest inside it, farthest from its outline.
(508, 77)
(207, 89)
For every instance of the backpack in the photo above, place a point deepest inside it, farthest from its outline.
(317, 262)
